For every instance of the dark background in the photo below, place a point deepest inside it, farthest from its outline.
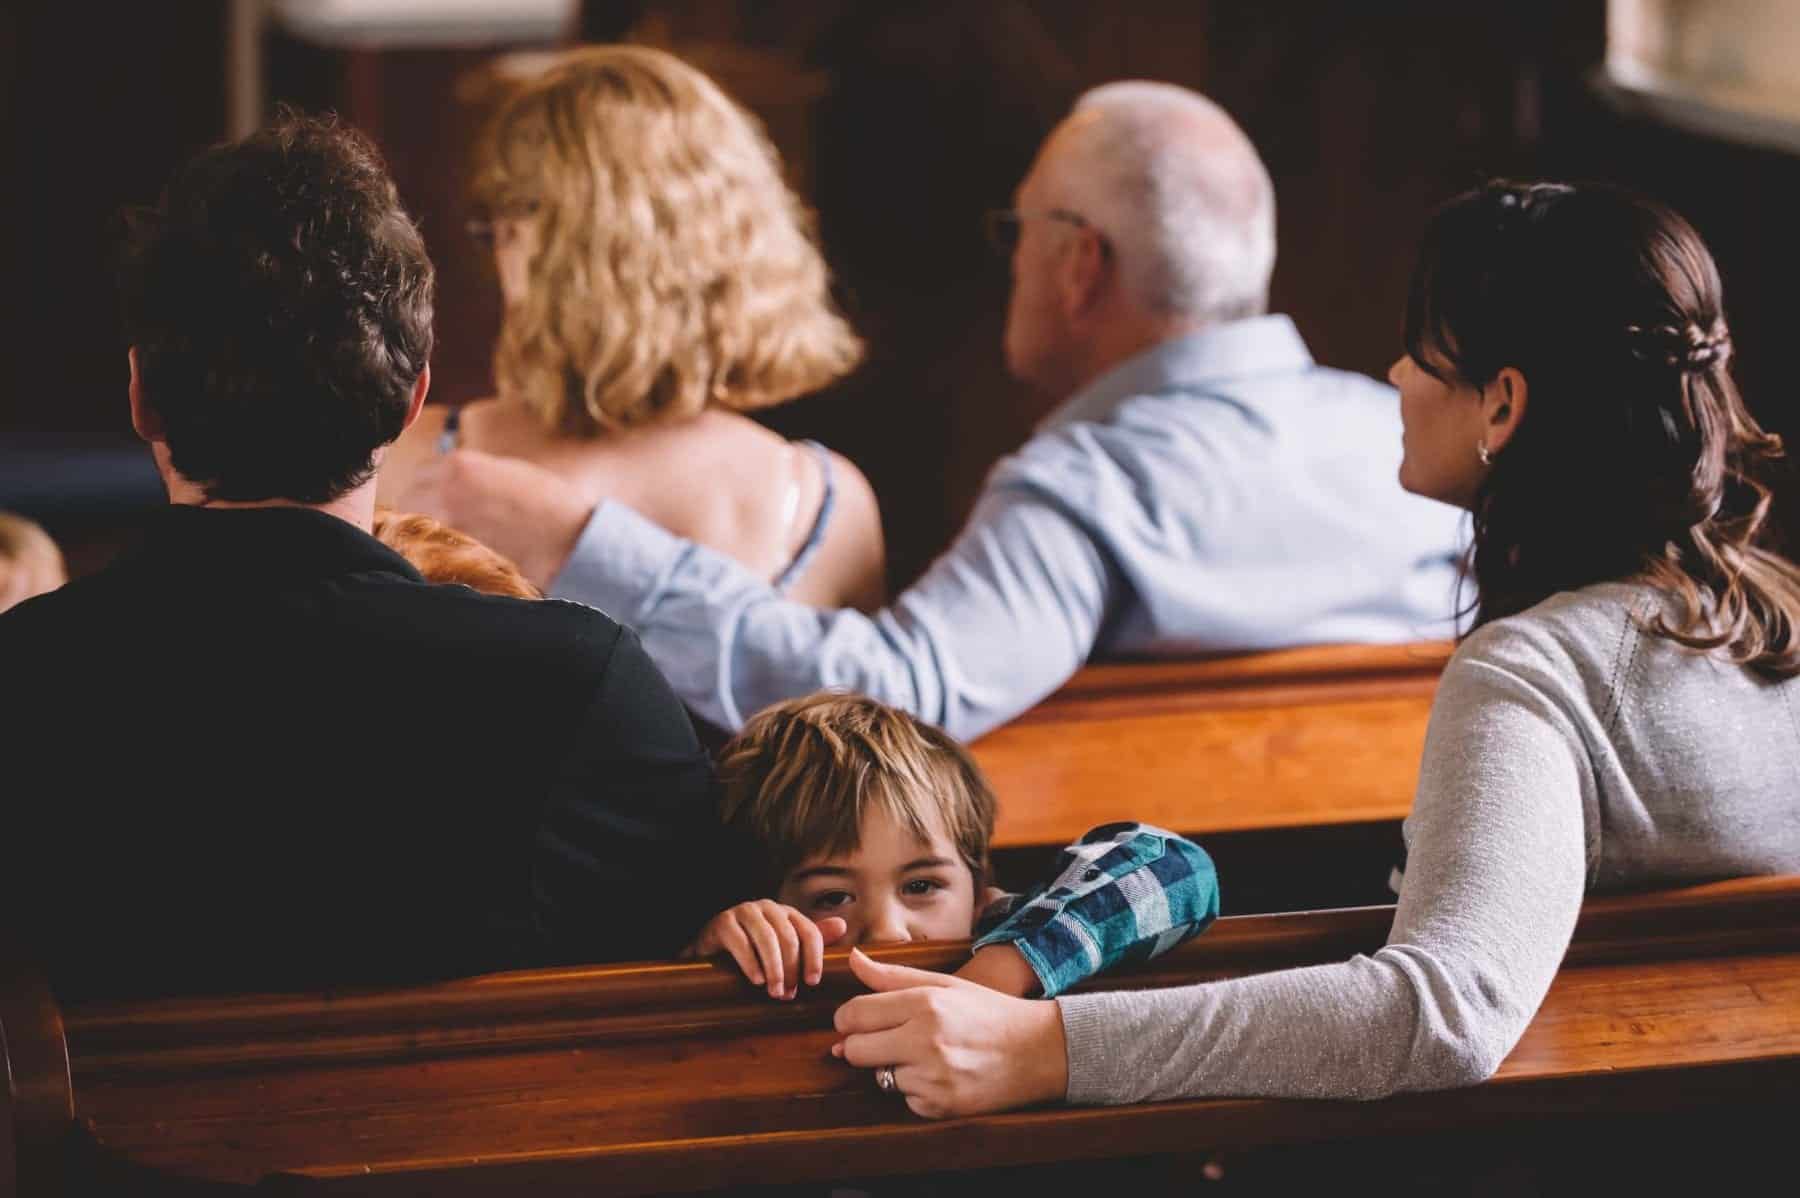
(901, 123)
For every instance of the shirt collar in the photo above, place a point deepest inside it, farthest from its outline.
(287, 542)
(1239, 349)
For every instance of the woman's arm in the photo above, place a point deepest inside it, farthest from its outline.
(1497, 870)
(1497, 866)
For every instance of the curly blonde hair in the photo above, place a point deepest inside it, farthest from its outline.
(674, 268)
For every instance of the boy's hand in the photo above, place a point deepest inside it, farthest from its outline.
(771, 942)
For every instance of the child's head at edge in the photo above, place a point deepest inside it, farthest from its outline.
(863, 812)
(30, 562)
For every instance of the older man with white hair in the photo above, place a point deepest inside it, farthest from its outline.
(1201, 487)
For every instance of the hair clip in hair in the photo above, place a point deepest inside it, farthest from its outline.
(1687, 348)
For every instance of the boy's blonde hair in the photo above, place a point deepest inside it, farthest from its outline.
(30, 562)
(676, 269)
(802, 775)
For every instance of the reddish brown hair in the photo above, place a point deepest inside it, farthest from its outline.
(442, 554)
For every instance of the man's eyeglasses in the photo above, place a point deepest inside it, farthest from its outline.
(1003, 226)
(481, 225)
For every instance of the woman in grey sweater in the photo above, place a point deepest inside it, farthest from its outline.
(1624, 714)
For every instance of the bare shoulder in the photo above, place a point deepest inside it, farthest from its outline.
(410, 450)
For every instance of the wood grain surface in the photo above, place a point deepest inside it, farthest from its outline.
(643, 1078)
(1296, 738)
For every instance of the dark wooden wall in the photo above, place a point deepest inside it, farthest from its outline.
(902, 123)
(96, 105)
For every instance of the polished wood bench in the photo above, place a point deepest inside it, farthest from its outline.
(1314, 737)
(635, 1079)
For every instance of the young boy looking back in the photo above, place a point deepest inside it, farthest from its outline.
(874, 829)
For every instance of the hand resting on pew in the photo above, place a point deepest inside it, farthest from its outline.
(955, 1048)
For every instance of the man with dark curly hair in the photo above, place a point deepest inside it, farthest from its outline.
(260, 750)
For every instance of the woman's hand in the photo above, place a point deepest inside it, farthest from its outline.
(772, 943)
(956, 1048)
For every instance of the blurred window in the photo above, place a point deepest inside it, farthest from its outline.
(402, 23)
(1719, 67)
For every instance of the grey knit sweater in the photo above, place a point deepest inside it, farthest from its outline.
(1568, 751)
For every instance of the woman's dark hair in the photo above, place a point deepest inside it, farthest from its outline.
(279, 299)
(1635, 457)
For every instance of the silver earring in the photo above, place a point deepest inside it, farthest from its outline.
(1481, 451)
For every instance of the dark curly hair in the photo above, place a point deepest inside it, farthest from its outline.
(1636, 457)
(280, 302)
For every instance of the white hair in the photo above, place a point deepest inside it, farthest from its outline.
(1182, 195)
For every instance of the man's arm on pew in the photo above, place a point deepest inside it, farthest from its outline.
(1012, 609)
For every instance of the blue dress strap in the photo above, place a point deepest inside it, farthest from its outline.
(821, 522)
(451, 433)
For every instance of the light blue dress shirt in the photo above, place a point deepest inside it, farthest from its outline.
(1218, 492)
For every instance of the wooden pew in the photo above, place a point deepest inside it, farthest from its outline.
(1314, 737)
(664, 1077)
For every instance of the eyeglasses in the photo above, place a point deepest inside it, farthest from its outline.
(481, 225)
(1003, 226)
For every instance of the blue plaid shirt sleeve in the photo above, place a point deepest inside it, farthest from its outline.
(1122, 893)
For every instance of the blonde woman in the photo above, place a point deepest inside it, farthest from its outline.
(660, 279)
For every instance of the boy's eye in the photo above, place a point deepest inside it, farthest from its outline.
(921, 887)
(830, 900)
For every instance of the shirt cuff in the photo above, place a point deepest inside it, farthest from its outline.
(1059, 952)
(619, 563)
(1084, 1020)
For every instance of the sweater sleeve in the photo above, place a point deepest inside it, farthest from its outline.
(1497, 867)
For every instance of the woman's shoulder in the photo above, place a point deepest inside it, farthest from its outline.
(1575, 644)
(1595, 650)
(1584, 622)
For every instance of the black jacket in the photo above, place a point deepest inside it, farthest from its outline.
(261, 751)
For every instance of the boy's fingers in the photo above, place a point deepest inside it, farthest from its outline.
(790, 945)
(738, 945)
(768, 948)
(832, 928)
(812, 948)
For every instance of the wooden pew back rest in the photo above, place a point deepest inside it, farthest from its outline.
(1296, 738)
(644, 1077)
